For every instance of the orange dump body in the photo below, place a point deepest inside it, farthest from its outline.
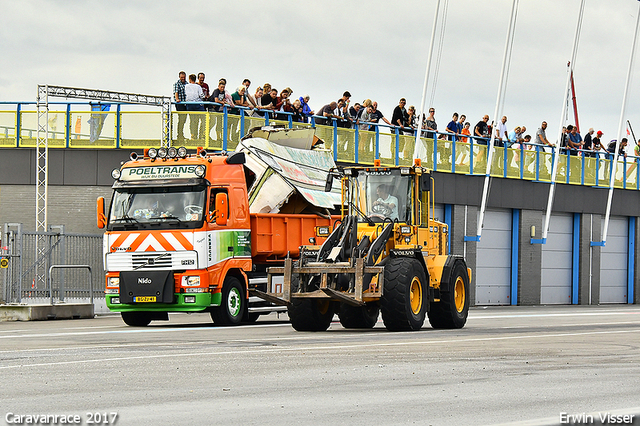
(274, 236)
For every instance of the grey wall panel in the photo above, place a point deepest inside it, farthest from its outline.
(72, 206)
(613, 262)
(557, 261)
(493, 264)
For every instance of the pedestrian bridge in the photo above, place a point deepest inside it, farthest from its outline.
(73, 125)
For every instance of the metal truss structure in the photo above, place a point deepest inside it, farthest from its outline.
(42, 145)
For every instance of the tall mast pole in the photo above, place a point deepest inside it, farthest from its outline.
(503, 78)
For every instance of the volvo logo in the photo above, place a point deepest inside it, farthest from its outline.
(144, 280)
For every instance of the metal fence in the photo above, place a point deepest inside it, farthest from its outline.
(24, 280)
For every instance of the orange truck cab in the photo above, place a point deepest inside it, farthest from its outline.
(180, 237)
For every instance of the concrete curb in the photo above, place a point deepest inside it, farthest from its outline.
(45, 312)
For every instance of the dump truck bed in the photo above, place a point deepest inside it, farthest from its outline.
(274, 236)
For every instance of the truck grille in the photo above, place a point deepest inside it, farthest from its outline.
(151, 261)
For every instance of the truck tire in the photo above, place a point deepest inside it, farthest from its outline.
(136, 319)
(359, 316)
(403, 303)
(453, 308)
(231, 307)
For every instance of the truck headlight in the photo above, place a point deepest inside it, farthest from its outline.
(114, 282)
(190, 281)
(115, 173)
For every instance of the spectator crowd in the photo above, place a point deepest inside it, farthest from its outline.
(267, 100)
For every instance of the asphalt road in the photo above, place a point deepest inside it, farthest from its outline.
(509, 365)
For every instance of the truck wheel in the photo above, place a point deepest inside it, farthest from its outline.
(310, 314)
(403, 302)
(359, 316)
(136, 319)
(231, 307)
(453, 308)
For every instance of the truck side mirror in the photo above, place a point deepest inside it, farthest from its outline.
(101, 217)
(425, 182)
(222, 207)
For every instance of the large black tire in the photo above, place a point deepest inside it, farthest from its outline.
(453, 308)
(136, 319)
(232, 306)
(311, 314)
(359, 316)
(403, 303)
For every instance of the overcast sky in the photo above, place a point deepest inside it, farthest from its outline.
(374, 49)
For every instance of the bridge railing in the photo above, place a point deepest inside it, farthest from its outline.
(74, 125)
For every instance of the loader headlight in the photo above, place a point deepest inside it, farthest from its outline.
(405, 230)
(322, 231)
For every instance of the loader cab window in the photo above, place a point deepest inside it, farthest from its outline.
(385, 195)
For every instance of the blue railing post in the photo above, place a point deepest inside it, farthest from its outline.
(67, 126)
(397, 146)
(582, 171)
(522, 148)
(453, 154)
(225, 131)
(242, 110)
(357, 146)
(504, 160)
(18, 124)
(377, 157)
(335, 139)
(118, 125)
(471, 155)
(435, 151)
(538, 163)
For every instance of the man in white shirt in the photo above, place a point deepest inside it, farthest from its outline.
(502, 136)
(386, 204)
(194, 93)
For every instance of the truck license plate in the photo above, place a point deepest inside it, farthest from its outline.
(144, 299)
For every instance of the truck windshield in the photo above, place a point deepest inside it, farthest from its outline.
(157, 208)
(384, 194)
